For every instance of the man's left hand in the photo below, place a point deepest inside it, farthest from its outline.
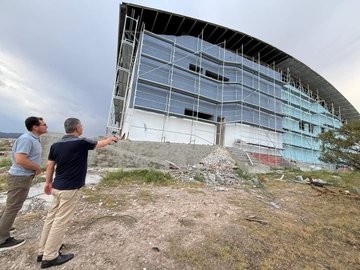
(47, 188)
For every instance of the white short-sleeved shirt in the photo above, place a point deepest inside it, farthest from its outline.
(28, 143)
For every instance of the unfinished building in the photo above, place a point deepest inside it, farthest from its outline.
(183, 80)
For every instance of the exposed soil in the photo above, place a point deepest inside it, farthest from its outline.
(280, 226)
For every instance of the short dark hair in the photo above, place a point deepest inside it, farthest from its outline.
(71, 124)
(32, 121)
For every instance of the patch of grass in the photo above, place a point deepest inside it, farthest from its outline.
(308, 232)
(242, 174)
(199, 177)
(119, 177)
(5, 162)
(324, 236)
(292, 170)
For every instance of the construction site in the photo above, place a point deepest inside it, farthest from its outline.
(183, 80)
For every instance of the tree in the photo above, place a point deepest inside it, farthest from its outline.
(342, 146)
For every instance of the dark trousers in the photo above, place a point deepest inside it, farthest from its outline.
(18, 189)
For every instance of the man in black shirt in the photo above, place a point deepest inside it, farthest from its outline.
(70, 157)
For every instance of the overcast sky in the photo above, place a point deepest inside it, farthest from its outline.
(57, 57)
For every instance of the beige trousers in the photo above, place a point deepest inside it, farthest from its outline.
(56, 222)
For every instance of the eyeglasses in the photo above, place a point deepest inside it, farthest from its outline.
(45, 125)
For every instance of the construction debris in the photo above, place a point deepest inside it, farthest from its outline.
(215, 169)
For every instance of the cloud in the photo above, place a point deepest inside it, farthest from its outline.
(62, 64)
(25, 91)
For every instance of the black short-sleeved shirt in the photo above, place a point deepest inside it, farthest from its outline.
(70, 155)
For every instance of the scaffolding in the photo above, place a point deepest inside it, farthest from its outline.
(124, 65)
(184, 89)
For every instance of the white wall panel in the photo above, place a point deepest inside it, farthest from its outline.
(149, 126)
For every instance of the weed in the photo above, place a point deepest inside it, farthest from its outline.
(242, 174)
(199, 177)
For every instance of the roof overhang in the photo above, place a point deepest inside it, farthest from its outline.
(167, 23)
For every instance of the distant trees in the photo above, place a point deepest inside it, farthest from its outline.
(342, 146)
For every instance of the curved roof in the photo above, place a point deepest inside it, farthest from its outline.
(163, 22)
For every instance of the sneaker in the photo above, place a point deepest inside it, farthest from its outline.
(62, 258)
(11, 242)
(39, 257)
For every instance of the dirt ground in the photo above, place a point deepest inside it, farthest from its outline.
(280, 226)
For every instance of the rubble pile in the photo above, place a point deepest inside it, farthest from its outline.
(215, 169)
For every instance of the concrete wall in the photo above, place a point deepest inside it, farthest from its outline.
(46, 141)
(137, 154)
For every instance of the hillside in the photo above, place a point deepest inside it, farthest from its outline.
(13, 135)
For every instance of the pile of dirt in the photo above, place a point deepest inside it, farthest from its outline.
(215, 169)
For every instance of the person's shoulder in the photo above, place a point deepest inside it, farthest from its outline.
(89, 144)
(89, 140)
(24, 137)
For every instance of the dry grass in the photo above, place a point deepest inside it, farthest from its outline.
(313, 229)
(307, 232)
